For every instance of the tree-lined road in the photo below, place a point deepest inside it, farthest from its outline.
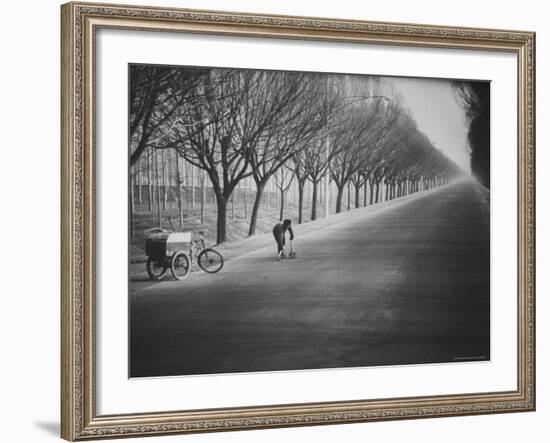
(242, 128)
(409, 283)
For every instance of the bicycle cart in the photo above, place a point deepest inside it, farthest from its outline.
(177, 251)
(167, 250)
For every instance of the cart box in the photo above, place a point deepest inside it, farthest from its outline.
(164, 244)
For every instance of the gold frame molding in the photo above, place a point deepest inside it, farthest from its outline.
(79, 21)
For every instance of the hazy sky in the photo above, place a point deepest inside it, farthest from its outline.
(437, 113)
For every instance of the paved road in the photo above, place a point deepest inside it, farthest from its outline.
(407, 284)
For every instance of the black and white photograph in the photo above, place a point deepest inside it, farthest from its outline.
(286, 220)
(272, 221)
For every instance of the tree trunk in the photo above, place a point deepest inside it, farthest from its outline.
(192, 187)
(203, 196)
(267, 196)
(282, 207)
(339, 196)
(357, 195)
(179, 193)
(164, 190)
(158, 188)
(371, 197)
(221, 203)
(139, 176)
(149, 180)
(300, 200)
(349, 196)
(377, 192)
(365, 193)
(314, 200)
(186, 167)
(170, 191)
(245, 198)
(132, 203)
(256, 208)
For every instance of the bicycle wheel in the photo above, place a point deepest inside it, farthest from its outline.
(210, 261)
(180, 265)
(155, 268)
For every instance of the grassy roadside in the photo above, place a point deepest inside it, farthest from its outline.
(238, 219)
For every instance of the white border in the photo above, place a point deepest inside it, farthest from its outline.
(117, 394)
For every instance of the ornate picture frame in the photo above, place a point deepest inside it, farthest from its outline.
(79, 418)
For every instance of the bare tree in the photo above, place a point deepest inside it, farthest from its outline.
(359, 138)
(300, 118)
(156, 94)
(274, 127)
(236, 114)
(283, 180)
(300, 172)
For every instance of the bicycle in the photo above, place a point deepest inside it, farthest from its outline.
(208, 259)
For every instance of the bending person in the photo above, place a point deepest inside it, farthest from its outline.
(279, 232)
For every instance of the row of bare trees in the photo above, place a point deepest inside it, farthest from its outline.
(283, 128)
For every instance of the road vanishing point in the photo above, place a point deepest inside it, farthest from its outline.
(406, 284)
